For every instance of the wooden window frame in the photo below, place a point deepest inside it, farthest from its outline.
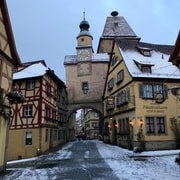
(28, 111)
(28, 140)
(30, 85)
(120, 76)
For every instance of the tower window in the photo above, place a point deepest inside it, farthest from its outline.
(82, 39)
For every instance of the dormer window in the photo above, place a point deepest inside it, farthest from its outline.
(146, 69)
(145, 51)
(144, 66)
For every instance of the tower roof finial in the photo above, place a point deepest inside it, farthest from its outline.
(84, 13)
(84, 25)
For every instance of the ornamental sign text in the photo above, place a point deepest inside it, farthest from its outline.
(155, 109)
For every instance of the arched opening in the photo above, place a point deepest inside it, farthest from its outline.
(84, 122)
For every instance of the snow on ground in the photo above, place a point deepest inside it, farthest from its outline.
(159, 165)
(149, 165)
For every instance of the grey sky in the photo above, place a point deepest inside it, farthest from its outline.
(47, 29)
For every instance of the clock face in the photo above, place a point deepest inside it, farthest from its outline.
(84, 55)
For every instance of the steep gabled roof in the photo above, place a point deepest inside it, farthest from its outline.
(116, 26)
(158, 59)
(36, 69)
(31, 71)
(15, 57)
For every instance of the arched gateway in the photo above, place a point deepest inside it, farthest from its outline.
(85, 74)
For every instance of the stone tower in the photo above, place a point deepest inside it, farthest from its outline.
(85, 72)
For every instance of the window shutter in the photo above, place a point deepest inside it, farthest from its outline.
(128, 95)
(165, 91)
(141, 90)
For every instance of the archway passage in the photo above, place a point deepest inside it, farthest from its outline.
(85, 122)
(85, 76)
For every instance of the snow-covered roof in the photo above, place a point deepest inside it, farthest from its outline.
(100, 57)
(34, 70)
(158, 60)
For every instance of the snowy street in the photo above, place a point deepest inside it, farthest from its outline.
(96, 160)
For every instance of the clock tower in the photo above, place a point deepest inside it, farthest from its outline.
(84, 42)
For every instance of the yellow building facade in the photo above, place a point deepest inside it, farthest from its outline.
(91, 124)
(140, 110)
(9, 61)
(139, 106)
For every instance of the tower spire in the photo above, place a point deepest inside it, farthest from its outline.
(84, 25)
(84, 15)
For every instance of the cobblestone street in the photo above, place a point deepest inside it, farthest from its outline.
(81, 161)
(94, 160)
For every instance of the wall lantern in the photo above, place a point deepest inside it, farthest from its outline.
(116, 124)
(85, 87)
(109, 126)
(131, 123)
(141, 122)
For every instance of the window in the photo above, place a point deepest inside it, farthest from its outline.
(155, 125)
(150, 91)
(120, 76)
(28, 111)
(94, 125)
(48, 88)
(60, 117)
(85, 87)
(146, 91)
(111, 84)
(28, 138)
(160, 125)
(146, 69)
(145, 51)
(123, 97)
(114, 60)
(30, 84)
(150, 125)
(47, 112)
(53, 114)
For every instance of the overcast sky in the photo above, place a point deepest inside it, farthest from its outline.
(47, 29)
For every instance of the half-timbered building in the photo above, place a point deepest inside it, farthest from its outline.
(39, 123)
(9, 60)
